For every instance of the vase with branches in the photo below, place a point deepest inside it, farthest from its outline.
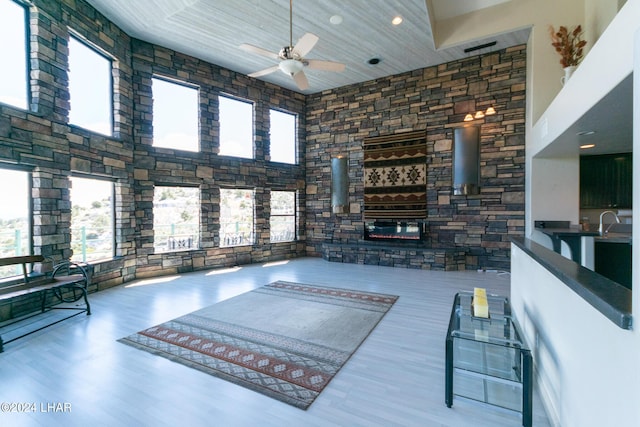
(569, 44)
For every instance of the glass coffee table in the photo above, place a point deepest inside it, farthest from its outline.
(486, 358)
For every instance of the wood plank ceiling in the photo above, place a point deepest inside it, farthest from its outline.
(213, 30)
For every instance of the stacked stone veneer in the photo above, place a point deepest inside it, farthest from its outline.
(42, 141)
(434, 99)
(470, 231)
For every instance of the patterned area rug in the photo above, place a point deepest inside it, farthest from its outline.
(285, 340)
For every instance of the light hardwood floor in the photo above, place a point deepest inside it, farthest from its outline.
(396, 378)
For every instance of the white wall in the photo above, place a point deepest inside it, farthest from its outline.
(586, 366)
(588, 369)
(598, 15)
(550, 188)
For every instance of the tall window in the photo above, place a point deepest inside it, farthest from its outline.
(282, 223)
(90, 88)
(236, 217)
(92, 219)
(13, 51)
(176, 218)
(175, 116)
(15, 218)
(236, 128)
(282, 137)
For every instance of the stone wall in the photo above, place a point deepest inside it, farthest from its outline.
(207, 170)
(42, 141)
(434, 99)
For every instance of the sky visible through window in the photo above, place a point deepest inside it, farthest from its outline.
(236, 127)
(13, 79)
(175, 116)
(282, 137)
(89, 88)
(16, 192)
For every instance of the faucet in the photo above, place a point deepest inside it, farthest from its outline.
(600, 227)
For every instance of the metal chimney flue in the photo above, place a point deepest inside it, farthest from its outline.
(466, 161)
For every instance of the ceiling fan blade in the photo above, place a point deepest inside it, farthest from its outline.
(264, 72)
(316, 64)
(258, 50)
(305, 44)
(301, 80)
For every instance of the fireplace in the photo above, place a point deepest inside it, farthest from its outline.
(398, 231)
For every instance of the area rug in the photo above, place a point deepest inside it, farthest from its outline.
(285, 340)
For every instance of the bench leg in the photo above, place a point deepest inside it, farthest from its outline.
(44, 300)
(86, 301)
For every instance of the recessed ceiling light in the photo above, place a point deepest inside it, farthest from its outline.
(586, 132)
(397, 20)
(585, 146)
(373, 61)
(336, 19)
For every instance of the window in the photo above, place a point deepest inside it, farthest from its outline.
(90, 88)
(283, 216)
(176, 218)
(175, 116)
(236, 217)
(282, 137)
(13, 51)
(92, 219)
(15, 218)
(236, 128)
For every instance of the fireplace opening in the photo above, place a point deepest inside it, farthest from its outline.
(394, 230)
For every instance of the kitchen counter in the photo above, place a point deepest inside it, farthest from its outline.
(560, 231)
(615, 238)
(608, 297)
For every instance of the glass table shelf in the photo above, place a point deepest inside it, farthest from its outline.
(486, 358)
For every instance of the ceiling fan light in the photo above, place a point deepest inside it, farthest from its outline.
(291, 66)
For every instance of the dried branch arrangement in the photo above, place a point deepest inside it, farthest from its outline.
(569, 44)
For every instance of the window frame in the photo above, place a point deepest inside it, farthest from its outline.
(253, 125)
(30, 217)
(80, 39)
(112, 213)
(294, 215)
(296, 126)
(187, 85)
(197, 243)
(252, 240)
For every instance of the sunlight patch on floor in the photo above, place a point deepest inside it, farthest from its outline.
(224, 271)
(153, 281)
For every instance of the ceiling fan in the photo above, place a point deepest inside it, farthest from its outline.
(292, 58)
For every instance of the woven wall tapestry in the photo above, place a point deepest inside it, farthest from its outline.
(395, 176)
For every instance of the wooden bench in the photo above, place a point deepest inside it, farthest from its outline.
(67, 283)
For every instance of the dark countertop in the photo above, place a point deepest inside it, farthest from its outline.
(561, 232)
(608, 297)
(615, 238)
